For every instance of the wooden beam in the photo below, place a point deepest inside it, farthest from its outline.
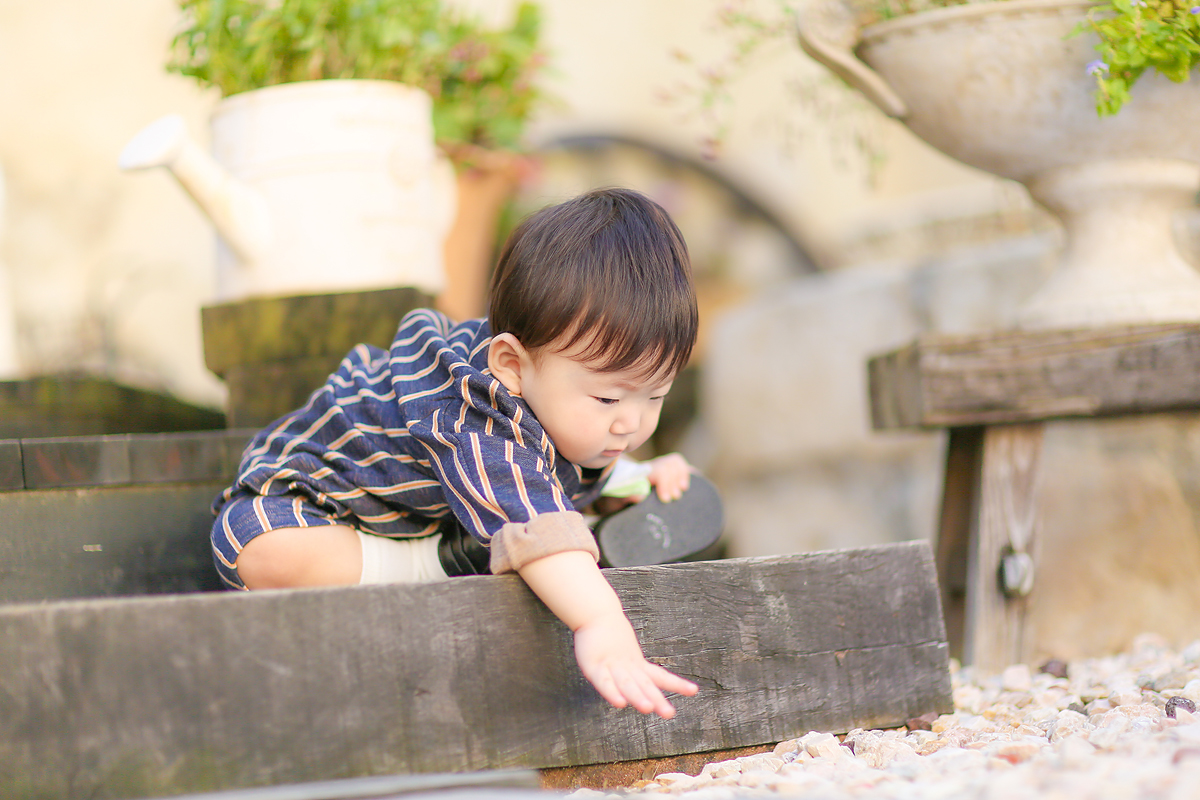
(1006, 526)
(75, 405)
(1022, 376)
(128, 514)
(960, 505)
(273, 352)
(271, 329)
(171, 694)
(105, 542)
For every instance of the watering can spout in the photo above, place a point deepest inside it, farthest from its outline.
(239, 212)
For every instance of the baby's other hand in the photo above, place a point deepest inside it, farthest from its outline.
(670, 475)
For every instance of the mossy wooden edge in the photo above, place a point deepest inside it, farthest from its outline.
(72, 405)
(304, 326)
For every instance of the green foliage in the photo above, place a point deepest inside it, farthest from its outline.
(482, 81)
(1136, 35)
(487, 90)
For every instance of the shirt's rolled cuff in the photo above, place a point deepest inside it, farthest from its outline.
(519, 543)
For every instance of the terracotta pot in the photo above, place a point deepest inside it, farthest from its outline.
(1003, 87)
(485, 182)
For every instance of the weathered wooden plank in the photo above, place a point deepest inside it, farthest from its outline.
(1006, 526)
(1018, 376)
(273, 352)
(261, 393)
(114, 460)
(68, 405)
(12, 468)
(956, 524)
(92, 542)
(305, 326)
(131, 698)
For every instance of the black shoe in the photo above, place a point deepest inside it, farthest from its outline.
(654, 532)
(461, 553)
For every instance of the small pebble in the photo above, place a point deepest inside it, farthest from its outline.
(1054, 667)
(1178, 702)
(1016, 678)
(923, 722)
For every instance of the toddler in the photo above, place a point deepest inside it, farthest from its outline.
(472, 448)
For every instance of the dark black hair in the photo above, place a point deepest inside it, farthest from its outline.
(608, 269)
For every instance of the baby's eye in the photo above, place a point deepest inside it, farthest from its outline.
(608, 401)
(659, 398)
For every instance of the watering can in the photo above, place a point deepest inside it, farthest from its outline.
(315, 187)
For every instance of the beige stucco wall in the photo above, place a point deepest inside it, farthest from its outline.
(108, 270)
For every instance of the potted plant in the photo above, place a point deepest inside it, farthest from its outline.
(1015, 87)
(1131, 37)
(325, 136)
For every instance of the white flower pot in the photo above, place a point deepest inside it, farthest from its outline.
(315, 187)
(1002, 87)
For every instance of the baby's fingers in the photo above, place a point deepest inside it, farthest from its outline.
(639, 689)
(606, 684)
(671, 485)
(670, 682)
(671, 476)
(670, 490)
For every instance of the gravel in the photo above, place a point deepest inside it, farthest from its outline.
(1115, 727)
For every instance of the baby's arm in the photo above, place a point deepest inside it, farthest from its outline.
(606, 648)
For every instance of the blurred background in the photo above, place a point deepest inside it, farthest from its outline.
(822, 233)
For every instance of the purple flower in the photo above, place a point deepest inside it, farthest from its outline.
(1097, 67)
(1195, 9)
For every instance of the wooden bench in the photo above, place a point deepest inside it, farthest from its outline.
(994, 393)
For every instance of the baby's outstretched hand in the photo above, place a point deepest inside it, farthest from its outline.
(670, 475)
(606, 648)
(610, 657)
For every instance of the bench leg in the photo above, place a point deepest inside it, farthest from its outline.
(987, 541)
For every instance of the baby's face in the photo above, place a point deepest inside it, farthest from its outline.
(591, 416)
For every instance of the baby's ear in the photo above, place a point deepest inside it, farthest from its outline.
(507, 359)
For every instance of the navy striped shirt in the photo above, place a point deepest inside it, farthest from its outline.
(396, 440)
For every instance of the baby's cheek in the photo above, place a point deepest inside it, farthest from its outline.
(650, 421)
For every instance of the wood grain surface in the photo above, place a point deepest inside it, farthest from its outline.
(1023, 376)
(165, 695)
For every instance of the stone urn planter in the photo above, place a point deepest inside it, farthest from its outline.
(314, 187)
(1002, 87)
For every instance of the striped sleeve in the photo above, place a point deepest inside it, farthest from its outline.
(498, 469)
(489, 480)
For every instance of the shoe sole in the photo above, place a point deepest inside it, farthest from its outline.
(654, 532)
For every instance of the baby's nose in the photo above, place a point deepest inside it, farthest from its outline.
(626, 423)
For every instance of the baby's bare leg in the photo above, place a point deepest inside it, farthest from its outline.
(326, 555)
